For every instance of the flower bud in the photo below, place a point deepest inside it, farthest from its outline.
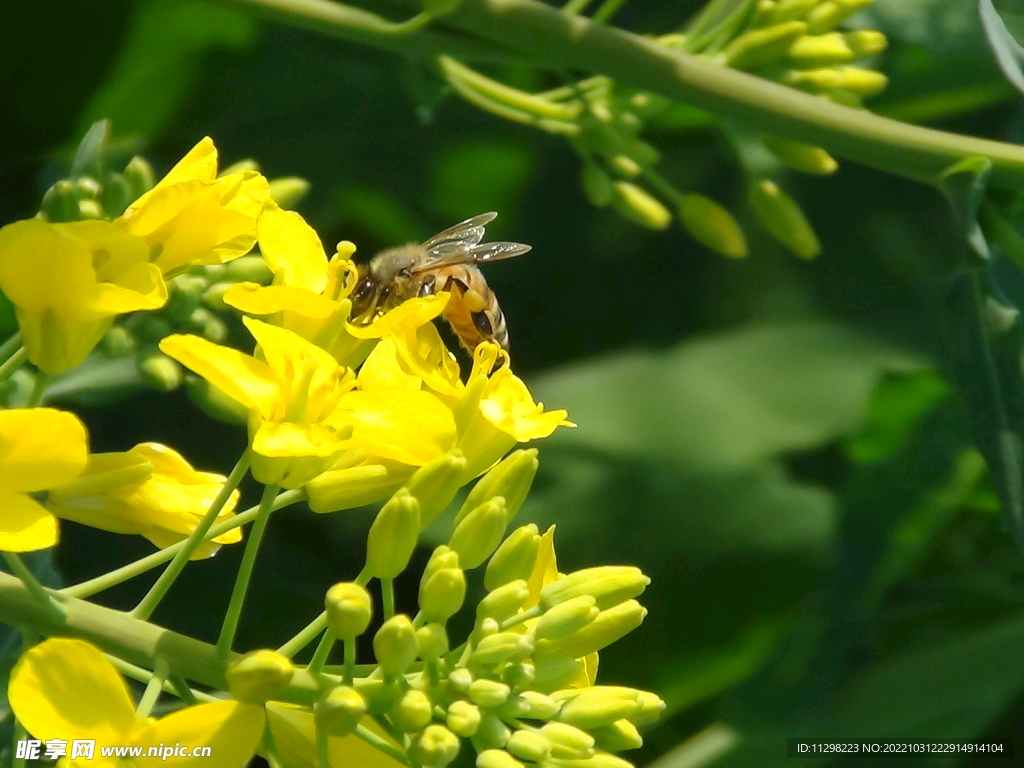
(239, 166)
(639, 206)
(788, 10)
(203, 322)
(159, 371)
(349, 609)
(259, 676)
(213, 297)
(856, 80)
(520, 676)
(599, 706)
(568, 742)
(488, 693)
(801, 157)
(604, 760)
(825, 50)
(782, 217)
(435, 484)
(432, 641)
(555, 673)
(411, 712)
(463, 718)
(460, 679)
(479, 533)
(597, 184)
(528, 745)
(60, 203)
(395, 645)
(711, 224)
(626, 166)
(117, 342)
(511, 479)
(288, 191)
(352, 487)
(497, 758)
(442, 595)
(503, 602)
(440, 559)
(650, 707)
(608, 584)
(140, 177)
(186, 292)
(393, 536)
(380, 695)
(214, 402)
(434, 747)
(866, 42)
(609, 626)
(115, 195)
(248, 269)
(831, 13)
(502, 647)
(539, 706)
(90, 209)
(617, 737)
(514, 559)
(761, 47)
(340, 711)
(491, 734)
(567, 617)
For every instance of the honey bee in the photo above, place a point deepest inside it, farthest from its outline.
(446, 262)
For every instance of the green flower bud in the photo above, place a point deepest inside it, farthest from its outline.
(140, 177)
(432, 641)
(463, 718)
(497, 758)
(608, 584)
(248, 269)
(117, 342)
(604, 760)
(214, 402)
(650, 707)
(204, 323)
(711, 224)
(380, 695)
(761, 47)
(639, 206)
(186, 291)
(395, 645)
(514, 559)
(245, 164)
(479, 533)
(788, 10)
(866, 42)
(60, 203)
(491, 734)
(528, 745)
(115, 195)
(411, 712)
(340, 711)
(484, 628)
(90, 210)
(435, 484)
(288, 191)
(159, 371)
(831, 13)
(801, 157)
(597, 184)
(599, 706)
(617, 737)
(353, 487)
(442, 595)
(393, 536)
(568, 742)
(87, 188)
(782, 217)
(435, 747)
(441, 558)
(539, 705)
(460, 679)
(502, 647)
(825, 50)
(520, 676)
(609, 626)
(567, 617)
(488, 693)
(856, 80)
(259, 676)
(627, 166)
(213, 297)
(503, 602)
(555, 673)
(349, 609)
(511, 479)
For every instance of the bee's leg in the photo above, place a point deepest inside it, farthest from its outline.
(427, 286)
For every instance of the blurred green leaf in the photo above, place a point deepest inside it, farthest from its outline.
(1003, 28)
(475, 178)
(946, 27)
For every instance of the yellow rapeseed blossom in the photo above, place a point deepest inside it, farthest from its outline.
(67, 283)
(151, 491)
(66, 689)
(193, 217)
(294, 731)
(40, 448)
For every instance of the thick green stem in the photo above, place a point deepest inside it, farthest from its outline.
(9, 347)
(154, 688)
(323, 650)
(252, 548)
(11, 364)
(37, 590)
(156, 593)
(35, 397)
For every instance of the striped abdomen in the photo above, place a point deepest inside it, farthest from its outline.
(473, 310)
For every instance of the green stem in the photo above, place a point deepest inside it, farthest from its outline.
(11, 364)
(323, 650)
(10, 346)
(149, 562)
(576, 6)
(156, 593)
(387, 596)
(35, 397)
(252, 547)
(143, 675)
(607, 9)
(154, 688)
(350, 660)
(323, 755)
(180, 688)
(305, 636)
(37, 590)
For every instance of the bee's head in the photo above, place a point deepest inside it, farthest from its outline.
(383, 282)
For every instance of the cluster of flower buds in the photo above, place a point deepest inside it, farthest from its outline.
(521, 688)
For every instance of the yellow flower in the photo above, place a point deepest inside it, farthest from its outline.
(40, 448)
(68, 281)
(150, 490)
(66, 689)
(294, 735)
(193, 217)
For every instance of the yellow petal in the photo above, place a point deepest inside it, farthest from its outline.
(407, 427)
(424, 353)
(284, 350)
(267, 300)
(545, 569)
(44, 268)
(510, 407)
(292, 250)
(141, 287)
(279, 439)
(242, 378)
(408, 315)
(199, 164)
(294, 736)
(383, 371)
(231, 730)
(112, 250)
(40, 448)
(25, 525)
(66, 689)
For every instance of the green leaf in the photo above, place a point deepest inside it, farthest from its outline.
(964, 184)
(89, 156)
(1004, 29)
(470, 179)
(949, 28)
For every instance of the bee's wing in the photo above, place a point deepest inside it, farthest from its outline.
(462, 236)
(477, 254)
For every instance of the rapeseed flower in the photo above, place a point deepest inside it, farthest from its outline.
(151, 491)
(67, 283)
(64, 689)
(40, 448)
(193, 217)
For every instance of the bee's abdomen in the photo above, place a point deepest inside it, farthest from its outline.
(473, 310)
